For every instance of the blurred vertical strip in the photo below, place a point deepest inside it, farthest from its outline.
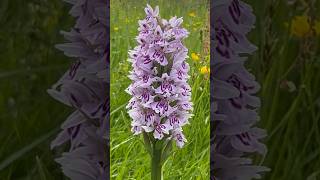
(234, 106)
(212, 176)
(85, 87)
(108, 90)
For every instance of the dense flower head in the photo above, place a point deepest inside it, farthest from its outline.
(234, 105)
(84, 87)
(161, 97)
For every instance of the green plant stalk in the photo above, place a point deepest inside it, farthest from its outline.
(154, 148)
(159, 151)
(156, 165)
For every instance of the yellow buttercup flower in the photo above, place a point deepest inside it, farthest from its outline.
(195, 57)
(116, 29)
(192, 14)
(204, 70)
(300, 26)
(316, 27)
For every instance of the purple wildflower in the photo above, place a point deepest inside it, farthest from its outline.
(85, 88)
(234, 105)
(161, 96)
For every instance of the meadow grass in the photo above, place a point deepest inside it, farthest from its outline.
(129, 159)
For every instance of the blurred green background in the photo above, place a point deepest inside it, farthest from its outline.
(287, 65)
(29, 64)
(129, 159)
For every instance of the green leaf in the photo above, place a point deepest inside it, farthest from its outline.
(166, 151)
(147, 143)
(26, 149)
(41, 170)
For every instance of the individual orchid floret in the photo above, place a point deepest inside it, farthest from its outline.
(179, 137)
(150, 12)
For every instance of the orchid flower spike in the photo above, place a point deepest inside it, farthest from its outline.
(161, 96)
(234, 104)
(84, 87)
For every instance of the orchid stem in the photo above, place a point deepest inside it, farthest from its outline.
(156, 165)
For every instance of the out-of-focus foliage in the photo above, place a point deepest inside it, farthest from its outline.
(29, 64)
(288, 68)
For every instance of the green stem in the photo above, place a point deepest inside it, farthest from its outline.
(156, 166)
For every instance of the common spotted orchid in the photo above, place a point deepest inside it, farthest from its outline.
(161, 97)
(85, 88)
(234, 106)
